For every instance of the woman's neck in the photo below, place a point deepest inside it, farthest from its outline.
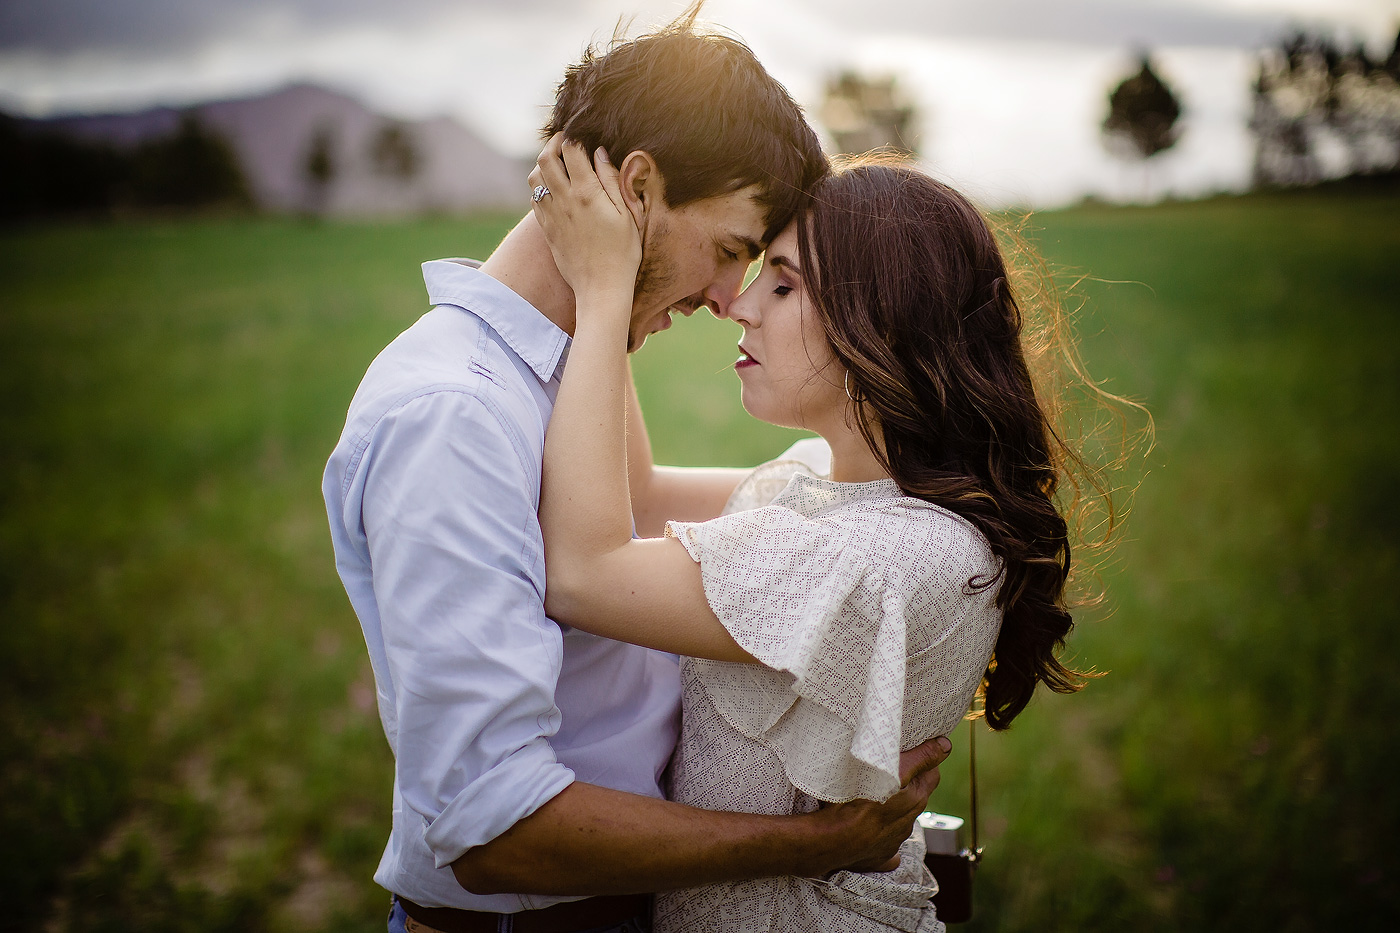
(852, 460)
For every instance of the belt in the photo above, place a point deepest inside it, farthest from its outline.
(567, 917)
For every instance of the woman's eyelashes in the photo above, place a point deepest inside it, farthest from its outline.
(782, 290)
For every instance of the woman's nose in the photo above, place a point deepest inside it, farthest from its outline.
(742, 309)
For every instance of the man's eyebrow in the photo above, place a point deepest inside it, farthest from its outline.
(751, 246)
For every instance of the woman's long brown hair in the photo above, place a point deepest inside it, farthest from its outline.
(914, 296)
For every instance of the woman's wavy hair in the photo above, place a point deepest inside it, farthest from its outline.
(918, 305)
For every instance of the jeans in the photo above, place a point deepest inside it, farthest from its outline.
(398, 923)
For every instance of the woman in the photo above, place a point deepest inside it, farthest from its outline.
(827, 621)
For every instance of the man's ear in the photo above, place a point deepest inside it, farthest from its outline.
(643, 188)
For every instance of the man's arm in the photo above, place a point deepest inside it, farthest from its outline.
(591, 840)
(448, 510)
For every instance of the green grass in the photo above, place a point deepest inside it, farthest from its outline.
(187, 732)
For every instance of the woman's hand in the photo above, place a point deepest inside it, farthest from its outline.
(590, 231)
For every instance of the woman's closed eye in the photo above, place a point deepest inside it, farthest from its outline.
(782, 291)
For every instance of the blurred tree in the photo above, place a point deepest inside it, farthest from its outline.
(863, 113)
(1142, 115)
(44, 172)
(319, 168)
(194, 168)
(393, 152)
(1311, 99)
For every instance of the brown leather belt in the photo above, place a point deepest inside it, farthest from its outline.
(568, 917)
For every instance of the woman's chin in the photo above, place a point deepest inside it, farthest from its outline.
(751, 404)
(754, 406)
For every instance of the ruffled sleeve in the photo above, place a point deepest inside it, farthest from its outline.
(833, 638)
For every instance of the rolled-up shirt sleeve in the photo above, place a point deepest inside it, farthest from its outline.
(449, 515)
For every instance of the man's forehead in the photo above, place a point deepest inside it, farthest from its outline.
(743, 218)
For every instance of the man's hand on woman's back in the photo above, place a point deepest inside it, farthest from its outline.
(875, 831)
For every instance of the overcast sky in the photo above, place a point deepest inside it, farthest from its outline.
(1010, 91)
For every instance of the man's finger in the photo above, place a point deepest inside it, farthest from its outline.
(922, 759)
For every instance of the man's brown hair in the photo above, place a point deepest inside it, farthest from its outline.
(704, 108)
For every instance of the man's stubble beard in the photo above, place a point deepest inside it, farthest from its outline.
(654, 277)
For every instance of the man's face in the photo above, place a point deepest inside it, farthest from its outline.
(694, 255)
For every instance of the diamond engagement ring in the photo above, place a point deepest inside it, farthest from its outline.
(540, 192)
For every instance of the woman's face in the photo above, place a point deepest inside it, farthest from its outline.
(789, 374)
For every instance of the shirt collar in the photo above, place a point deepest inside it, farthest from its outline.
(535, 338)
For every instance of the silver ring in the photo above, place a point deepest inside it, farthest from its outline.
(540, 192)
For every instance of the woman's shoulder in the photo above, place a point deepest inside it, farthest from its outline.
(903, 519)
(915, 546)
(924, 520)
(810, 456)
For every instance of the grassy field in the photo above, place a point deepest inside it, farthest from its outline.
(187, 732)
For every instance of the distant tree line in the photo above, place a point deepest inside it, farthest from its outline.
(44, 172)
(1310, 95)
(1320, 110)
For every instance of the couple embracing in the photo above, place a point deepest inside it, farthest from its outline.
(623, 696)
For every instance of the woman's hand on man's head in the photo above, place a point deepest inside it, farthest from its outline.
(592, 235)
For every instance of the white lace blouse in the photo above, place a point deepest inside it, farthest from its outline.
(864, 606)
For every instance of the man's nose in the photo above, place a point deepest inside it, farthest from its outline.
(720, 296)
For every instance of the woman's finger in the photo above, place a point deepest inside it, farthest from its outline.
(609, 178)
(582, 180)
(553, 149)
(552, 173)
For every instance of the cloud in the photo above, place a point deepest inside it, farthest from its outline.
(1093, 22)
(65, 26)
(59, 26)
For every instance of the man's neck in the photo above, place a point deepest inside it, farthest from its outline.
(523, 263)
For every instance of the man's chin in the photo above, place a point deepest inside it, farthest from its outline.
(635, 339)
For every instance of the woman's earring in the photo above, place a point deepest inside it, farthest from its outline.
(848, 386)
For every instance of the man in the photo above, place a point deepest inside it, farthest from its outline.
(528, 759)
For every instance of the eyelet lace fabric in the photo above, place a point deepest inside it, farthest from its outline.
(865, 608)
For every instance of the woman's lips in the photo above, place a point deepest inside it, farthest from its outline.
(745, 359)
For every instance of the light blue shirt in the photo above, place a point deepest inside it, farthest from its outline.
(490, 707)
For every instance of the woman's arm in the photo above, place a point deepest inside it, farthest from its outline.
(600, 579)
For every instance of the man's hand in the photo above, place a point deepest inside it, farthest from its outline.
(875, 831)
